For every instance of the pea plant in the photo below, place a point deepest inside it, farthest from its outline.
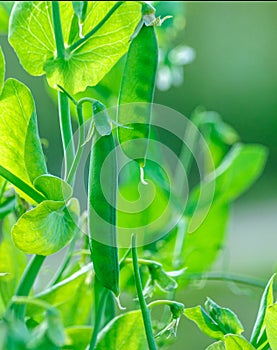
(135, 235)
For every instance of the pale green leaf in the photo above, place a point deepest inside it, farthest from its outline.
(2, 68)
(12, 262)
(202, 246)
(47, 228)
(219, 345)
(55, 330)
(270, 324)
(205, 323)
(226, 319)
(74, 311)
(266, 300)
(20, 148)
(237, 342)
(53, 187)
(239, 170)
(124, 332)
(32, 36)
(5, 9)
(77, 337)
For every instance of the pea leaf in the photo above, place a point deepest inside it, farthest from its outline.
(201, 246)
(53, 187)
(55, 330)
(12, 262)
(77, 338)
(237, 342)
(47, 228)
(219, 345)
(5, 9)
(270, 324)
(20, 148)
(226, 319)
(2, 68)
(31, 35)
(241, 160)
(123, 332)
(74, 311)
(205, 323)
(266, 300)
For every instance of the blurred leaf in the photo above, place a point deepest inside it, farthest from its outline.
(12, 262)
(20, 148)
(7, 206)
(124, 332)
(226, 319)
(239, 170)
(270, 325)
(201, 246)
(32, 36)
(55, 328)
(237, 342)
(205, 323)
(161, 278)
(77, 337)
(72, 297)
(266, 300)
(53, 187)
(219, 345)
(47, 228)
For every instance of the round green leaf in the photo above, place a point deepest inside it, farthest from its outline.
(47, 228)
(53, 187)
(32, 36)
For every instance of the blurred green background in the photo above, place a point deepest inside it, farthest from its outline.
(234, 73)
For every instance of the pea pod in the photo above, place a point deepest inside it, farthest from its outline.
(137, 85)
(102, 211)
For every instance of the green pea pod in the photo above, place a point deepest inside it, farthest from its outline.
(102, 211)
(138, 84)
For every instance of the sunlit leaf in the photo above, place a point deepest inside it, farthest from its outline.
(266, 300)
(270, 324)
(124, 332)
(2, 68)
(205, 323)
(20, 148)
(226, 319)
(219, 345)
(53, 187)
(47, 228)
(237, 342)
(78, 337)
(12, 262)
(32, 36)
(5, 9)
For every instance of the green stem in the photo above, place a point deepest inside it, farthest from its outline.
(26, 283)
(21, 185)
(58, 29)
(66, 131)
(214, 276)
(96, 28)
(71, 174)
(98, 319)
(143, 305)
(162, 303)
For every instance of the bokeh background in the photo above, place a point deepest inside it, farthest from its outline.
(234, 72)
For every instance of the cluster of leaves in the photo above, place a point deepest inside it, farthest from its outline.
(40, 216)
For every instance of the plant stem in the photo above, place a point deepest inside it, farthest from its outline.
(71, 174)
(21, 185)
(96, 28)
(98, 318)
(58, 29)
(143, 305)
(26, 283)
(215, 276)
(64, 110)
